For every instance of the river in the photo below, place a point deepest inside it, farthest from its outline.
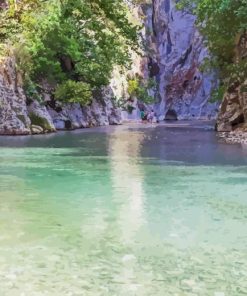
(130, 210)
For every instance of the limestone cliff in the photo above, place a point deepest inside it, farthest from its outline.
(173, 54)
(233, 112)
(14, 117)
(19, 117)
(176, 52)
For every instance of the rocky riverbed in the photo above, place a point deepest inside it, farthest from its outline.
(234, 137)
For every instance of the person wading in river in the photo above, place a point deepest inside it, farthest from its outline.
(143, 115)
(151, 116)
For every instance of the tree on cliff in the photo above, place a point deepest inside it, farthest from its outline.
(222, 22)
(64, 40)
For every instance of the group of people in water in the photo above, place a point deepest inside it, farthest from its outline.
(148, 116)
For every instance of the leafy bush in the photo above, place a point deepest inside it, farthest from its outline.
(76, 40)
(133, 87)
(74, 92)
(140, 88)
(218, 93)
(32, 91)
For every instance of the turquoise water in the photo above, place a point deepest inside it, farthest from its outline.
(123, 211)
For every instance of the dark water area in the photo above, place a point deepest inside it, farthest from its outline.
(189, 143)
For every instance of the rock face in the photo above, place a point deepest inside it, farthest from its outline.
(14, 118)
(233, 111)
(101, 112)
(40, 117)
(19, 118)
(176, 54)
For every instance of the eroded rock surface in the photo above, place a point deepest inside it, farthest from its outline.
(14, 118)
(233, 111)
(176, 54)
(19, 118)
(100, 112)
(39, 116)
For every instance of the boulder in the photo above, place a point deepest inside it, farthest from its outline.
(36, 129)
(39, 116)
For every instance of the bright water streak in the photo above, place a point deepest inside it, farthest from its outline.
(123, 211)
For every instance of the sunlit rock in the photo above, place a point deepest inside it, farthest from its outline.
(39, 116)
(14, 118)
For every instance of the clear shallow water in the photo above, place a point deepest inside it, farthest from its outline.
(123, 211)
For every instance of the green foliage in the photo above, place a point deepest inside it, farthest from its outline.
(74, 92)
(32, 90)
(140, 88)
(218, 93)
(133, 86)
(62, 40)
(222, 22)
(130, 108)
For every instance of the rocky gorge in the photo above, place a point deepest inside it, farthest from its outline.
(174, 54)
(20, 117)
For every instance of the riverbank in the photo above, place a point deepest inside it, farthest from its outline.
(234, 137)
(203, 124)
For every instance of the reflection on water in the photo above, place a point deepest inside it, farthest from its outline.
(136, 211)
(127, 181)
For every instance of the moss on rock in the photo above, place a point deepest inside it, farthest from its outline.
(40, 121)
(22, 118)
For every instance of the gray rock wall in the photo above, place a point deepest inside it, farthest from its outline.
(18, 118)
(233, 111)
(101, 112)
(14, 119)
(176, 54)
